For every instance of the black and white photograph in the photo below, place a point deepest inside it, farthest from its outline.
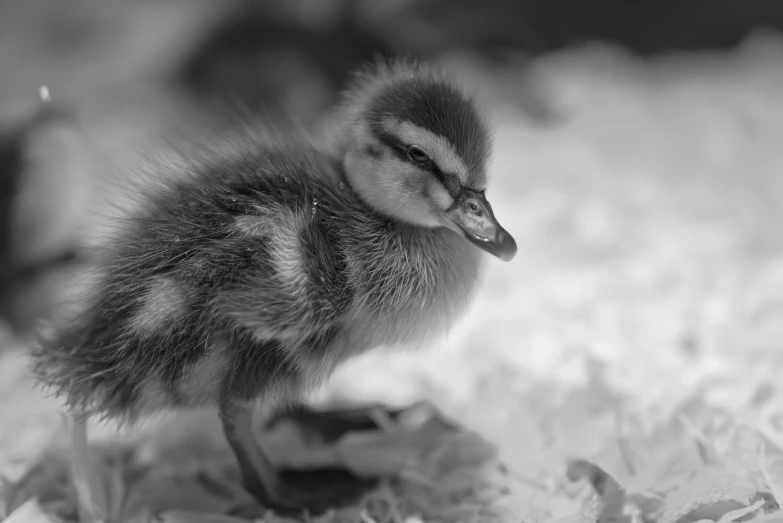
(391, 261)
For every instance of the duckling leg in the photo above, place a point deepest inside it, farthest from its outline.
(259, 475)
(90, 497)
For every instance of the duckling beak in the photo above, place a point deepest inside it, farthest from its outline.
(472, 216)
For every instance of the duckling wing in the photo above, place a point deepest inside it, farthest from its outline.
(297, 285)
(212, 284)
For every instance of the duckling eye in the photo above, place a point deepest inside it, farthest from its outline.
(417, 155)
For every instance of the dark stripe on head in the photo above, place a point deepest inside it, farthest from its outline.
(439, 108)
(450, 181)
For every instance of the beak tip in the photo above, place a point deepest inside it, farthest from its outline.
(507, 246)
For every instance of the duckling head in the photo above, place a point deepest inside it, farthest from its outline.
(416, 150)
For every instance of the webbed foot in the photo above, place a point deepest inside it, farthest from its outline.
(313, 491)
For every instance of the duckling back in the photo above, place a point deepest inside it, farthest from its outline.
(204, 292)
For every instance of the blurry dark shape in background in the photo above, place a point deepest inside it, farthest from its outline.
(265, 57)
(43, 186)
(299, 53)
(279, 56)
(646, 27)
(296, 56)
(651, 27)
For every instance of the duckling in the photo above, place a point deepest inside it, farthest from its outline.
(245, 281)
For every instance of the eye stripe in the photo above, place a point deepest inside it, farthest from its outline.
(397, 147)
(440, 109)
(450, 181)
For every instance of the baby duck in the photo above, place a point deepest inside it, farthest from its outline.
(249, 278)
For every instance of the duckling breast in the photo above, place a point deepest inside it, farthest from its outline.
(412, 285)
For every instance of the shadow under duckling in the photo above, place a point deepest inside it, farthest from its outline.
(247, 278)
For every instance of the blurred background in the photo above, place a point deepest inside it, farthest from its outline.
(637, 162)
